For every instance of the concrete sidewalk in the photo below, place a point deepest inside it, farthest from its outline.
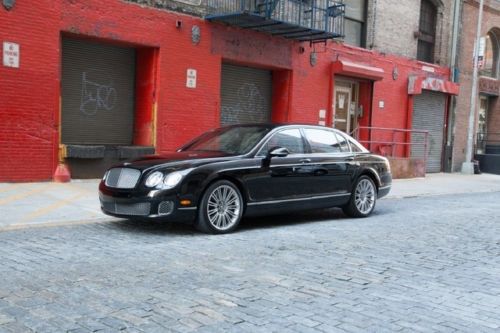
(41, 204)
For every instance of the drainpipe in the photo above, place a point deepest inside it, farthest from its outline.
(468, 166)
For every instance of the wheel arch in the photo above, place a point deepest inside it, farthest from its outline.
(369, 172)
(217, 177)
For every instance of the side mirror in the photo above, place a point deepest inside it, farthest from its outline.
(278, 152)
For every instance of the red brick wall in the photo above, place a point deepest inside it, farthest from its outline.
(29, 100)
(29, 96)
(491, 20)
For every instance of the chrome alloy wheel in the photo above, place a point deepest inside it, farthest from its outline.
(223, 207)
(364, 196)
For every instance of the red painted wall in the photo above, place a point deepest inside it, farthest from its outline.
(29, 96)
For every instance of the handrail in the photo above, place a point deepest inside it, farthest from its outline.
(394, 142)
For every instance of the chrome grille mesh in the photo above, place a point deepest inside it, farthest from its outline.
(136, 209)
(165, 208)
(122, 177)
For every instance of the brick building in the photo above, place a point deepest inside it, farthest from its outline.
(88, 83)
(487, 110)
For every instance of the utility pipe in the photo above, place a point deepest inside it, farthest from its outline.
(467, 165)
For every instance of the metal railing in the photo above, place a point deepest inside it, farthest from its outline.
(320, 15)
(487, 143)
(394, 142)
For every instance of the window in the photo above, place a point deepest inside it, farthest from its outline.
(356, 147)
(488, 55)
(355, 18)
(344, 146)
(323, 141)
(290, 139)
(426, 31)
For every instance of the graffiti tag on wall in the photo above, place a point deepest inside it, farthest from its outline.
(96, 96)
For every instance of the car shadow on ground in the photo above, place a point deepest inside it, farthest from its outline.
(247, 224)
(276, 221)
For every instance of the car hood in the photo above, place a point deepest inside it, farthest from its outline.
(178, 160)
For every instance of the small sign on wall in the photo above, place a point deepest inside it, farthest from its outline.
(191, 78)
(11, 54)
(322, 116)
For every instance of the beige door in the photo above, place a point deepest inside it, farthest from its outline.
(342, 108)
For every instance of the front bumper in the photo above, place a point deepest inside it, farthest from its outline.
(166, 208)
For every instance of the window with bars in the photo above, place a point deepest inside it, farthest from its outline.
(427, 31)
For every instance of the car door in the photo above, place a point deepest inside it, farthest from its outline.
(332, 161)
(281, 178)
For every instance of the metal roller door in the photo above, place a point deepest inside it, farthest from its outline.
(98, 88)
(428, 114)
(246, 95)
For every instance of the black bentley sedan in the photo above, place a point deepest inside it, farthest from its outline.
(247, 170)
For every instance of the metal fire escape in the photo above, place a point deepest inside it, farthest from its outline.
(303, 20)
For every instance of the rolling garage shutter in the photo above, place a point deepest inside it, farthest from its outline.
(245, 95)
(428, 114)
(98, 87)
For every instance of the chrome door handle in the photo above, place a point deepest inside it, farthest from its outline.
(305, 160)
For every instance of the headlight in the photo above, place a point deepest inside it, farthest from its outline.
(154, 179)
(172, 179)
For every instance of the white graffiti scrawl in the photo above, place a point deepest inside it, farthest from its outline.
(96, 96)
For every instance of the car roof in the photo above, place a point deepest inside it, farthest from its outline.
(275, 125)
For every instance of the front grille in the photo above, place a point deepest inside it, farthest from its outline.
(165, 208)
(136, 209)
(122, 177)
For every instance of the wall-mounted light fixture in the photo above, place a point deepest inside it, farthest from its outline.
(395, 73)
(313, 59)
(9, 4)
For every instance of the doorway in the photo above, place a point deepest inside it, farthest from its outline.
(346, 109)
(482, 125)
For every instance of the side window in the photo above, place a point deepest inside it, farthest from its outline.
(290, 139)
(344, 145)
(357, 147)
(322, 141)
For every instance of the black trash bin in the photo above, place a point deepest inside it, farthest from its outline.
(477, 171)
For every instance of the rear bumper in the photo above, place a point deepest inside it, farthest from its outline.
(386, 183)
(159, 208)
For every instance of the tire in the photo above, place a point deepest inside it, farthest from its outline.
(221, 208)
(363, 198)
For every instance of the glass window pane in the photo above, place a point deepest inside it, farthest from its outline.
(322, 141)
(289, 139)
(487, 64)
(356, 147)
(427, 18)
(344, 146)
(353, 32)
(355, 9)
(425, 51)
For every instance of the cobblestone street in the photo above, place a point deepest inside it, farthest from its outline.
(417, 265)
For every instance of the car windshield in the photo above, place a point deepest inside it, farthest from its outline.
(230, 140)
